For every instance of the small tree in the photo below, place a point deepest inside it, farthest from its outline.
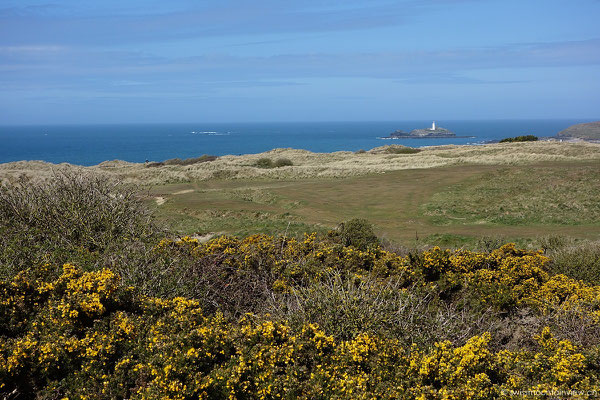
(357, 233)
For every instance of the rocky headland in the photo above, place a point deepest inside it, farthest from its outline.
(587, 131)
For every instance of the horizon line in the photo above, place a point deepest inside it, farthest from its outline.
(295, 121)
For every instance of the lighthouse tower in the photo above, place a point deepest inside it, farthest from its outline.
(432, 126)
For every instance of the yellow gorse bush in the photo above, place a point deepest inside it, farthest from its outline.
(85, 335)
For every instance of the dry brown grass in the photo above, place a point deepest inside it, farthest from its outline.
(310, 165)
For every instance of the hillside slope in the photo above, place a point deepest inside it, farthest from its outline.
(590, 130)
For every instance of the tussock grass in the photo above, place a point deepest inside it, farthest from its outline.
(577, 260)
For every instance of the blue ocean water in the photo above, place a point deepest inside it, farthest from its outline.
(92, 144)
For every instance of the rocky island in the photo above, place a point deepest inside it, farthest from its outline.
(433, 132)
(587, 131)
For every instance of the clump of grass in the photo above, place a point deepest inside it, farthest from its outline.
(578, 261)
(402, 150)
(268, 163)
(525, 138)
(179, 161)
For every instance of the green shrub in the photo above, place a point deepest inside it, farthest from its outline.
(283, 162)
(264, 163)
(402, 150)
(268, 163)
(179, 161)
(358, 233)
(526, 138)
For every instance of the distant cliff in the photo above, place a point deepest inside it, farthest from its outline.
(423, 134)
(590, 130)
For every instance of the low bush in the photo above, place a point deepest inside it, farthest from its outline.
(402, 150)
(70, 215)
(283, 162)
(264, 163)
(344, 306)
(179, 161)
(268, 163)
(525, 138)
(356, 232)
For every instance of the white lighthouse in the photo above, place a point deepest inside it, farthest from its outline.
(432, 126)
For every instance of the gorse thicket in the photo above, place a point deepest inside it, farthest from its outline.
(268, 317)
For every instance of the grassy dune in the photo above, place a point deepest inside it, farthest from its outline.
(326, 165)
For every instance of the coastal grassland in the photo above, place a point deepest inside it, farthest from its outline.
(452, 206)
(447, 195)
(558, 194)
(306, 164)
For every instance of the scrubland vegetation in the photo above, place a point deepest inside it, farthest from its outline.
(524, 138)
(308, 165)
(268, 163)
(98, 300)
(179, 161)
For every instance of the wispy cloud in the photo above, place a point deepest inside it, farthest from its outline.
(273, 53)
(450, 66)
(28, 49)
(237, 17)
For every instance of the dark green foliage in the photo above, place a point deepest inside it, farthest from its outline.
(402, 150)
(525, 138)
(179, 161)
(358, 233)
(268, 163)
(283, 162)
(264, 163)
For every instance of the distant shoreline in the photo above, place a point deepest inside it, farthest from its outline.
(426, 137)
(90, 145)
(246, 160)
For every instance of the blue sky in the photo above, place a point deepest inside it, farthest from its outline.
(90, 61)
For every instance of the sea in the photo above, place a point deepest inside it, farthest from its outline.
(92, 144)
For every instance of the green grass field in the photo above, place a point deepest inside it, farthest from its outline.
(451, 206)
